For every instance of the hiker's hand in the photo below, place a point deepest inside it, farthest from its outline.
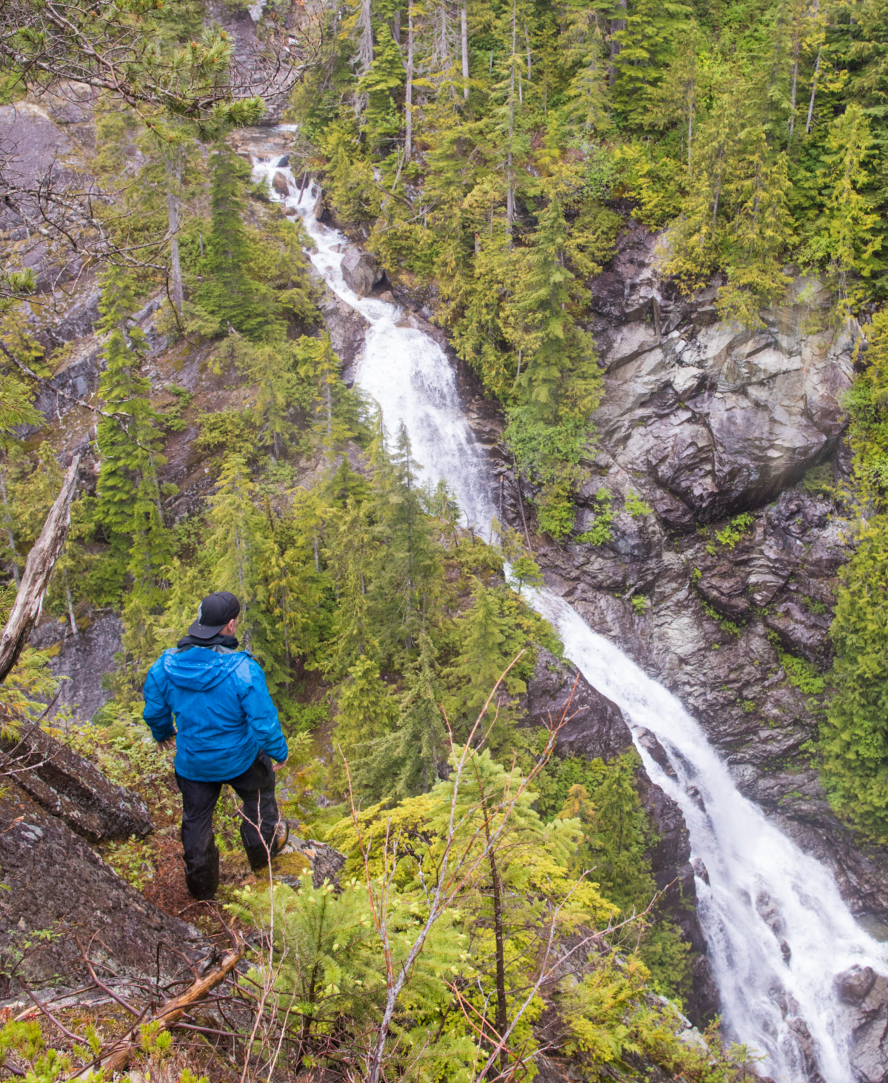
(276, 766)
(168, 743)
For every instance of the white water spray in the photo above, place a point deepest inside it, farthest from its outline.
(777, 928)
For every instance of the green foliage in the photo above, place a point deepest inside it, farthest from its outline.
(228, 293)
(639, 604)
(600, 533)
(635, 506)
(854, 739)
(730, 535)
(801, 673)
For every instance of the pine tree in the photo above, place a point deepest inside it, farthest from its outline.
(128, 495)
(366, 712)
(405, 762)
(228, 293)
(487, 644)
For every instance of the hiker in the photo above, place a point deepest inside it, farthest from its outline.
(210, 702)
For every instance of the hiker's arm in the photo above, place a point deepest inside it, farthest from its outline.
(262, 714)
(157, 713)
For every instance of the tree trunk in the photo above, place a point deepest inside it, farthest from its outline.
(502, 1009)
(813, 91)
(615, 26)
(464, 45)
(792, 97)
(510, 194)
(175, 173)
(38, 570)
(408, 90)
(16, 575)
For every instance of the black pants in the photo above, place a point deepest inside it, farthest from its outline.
(259, 817)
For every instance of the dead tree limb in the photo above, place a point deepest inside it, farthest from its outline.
(38, 569)
(170, 1013)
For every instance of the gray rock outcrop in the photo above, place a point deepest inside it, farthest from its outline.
(61, 895)
(70, 787)
(361, 271)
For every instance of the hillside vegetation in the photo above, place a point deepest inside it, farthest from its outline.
(496, 901)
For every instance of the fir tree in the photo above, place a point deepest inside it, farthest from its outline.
(228, 293)
(405, 762)
(128, 495)
(487, 644)
(366, 712)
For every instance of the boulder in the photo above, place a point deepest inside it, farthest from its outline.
(361, 271)
(72, 788)
(58, 891)
(864, 995)
(81, 661)
(280, 184)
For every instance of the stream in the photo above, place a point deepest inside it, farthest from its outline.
(777, 929)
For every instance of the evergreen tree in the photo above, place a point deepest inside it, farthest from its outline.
(233, 543)
(404, 589)
(560, 376)
(366, 711)
(487, 643)
(127, 507)
(228, 293)
(405, 762)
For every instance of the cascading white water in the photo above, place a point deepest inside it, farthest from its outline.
(777, 928)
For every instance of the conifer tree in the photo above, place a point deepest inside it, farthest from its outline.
(233, 543)
(228, 293)
(560, 376)
(846, 239)
(487, 644)
(366, 712)
(405, 762)
(128, 495)
(404, 589)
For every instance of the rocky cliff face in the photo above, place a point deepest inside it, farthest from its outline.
(715, 446)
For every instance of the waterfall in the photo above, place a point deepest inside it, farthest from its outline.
(777, 929)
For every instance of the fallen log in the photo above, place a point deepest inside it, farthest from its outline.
(168, 1015)
(38, 570)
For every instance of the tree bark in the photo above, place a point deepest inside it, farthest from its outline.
(408, 89)
(510, 193)
(38, 570)
(616, 25)
(464, 45)
(16, 574)
(175, 172)
(813, 91)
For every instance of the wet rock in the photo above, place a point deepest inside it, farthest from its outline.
(82, 661)
(865, 997)
(592, 726)
(57, 883)
(72, 788)
(317, 211)
(801, 631)
(326, 863)
(854, 985)
(280, 184)
(361, 271)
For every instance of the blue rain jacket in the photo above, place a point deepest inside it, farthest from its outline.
(223, 712)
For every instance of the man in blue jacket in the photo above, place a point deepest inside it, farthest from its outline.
(210, 702)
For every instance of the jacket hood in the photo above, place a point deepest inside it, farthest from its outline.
(199, 669)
